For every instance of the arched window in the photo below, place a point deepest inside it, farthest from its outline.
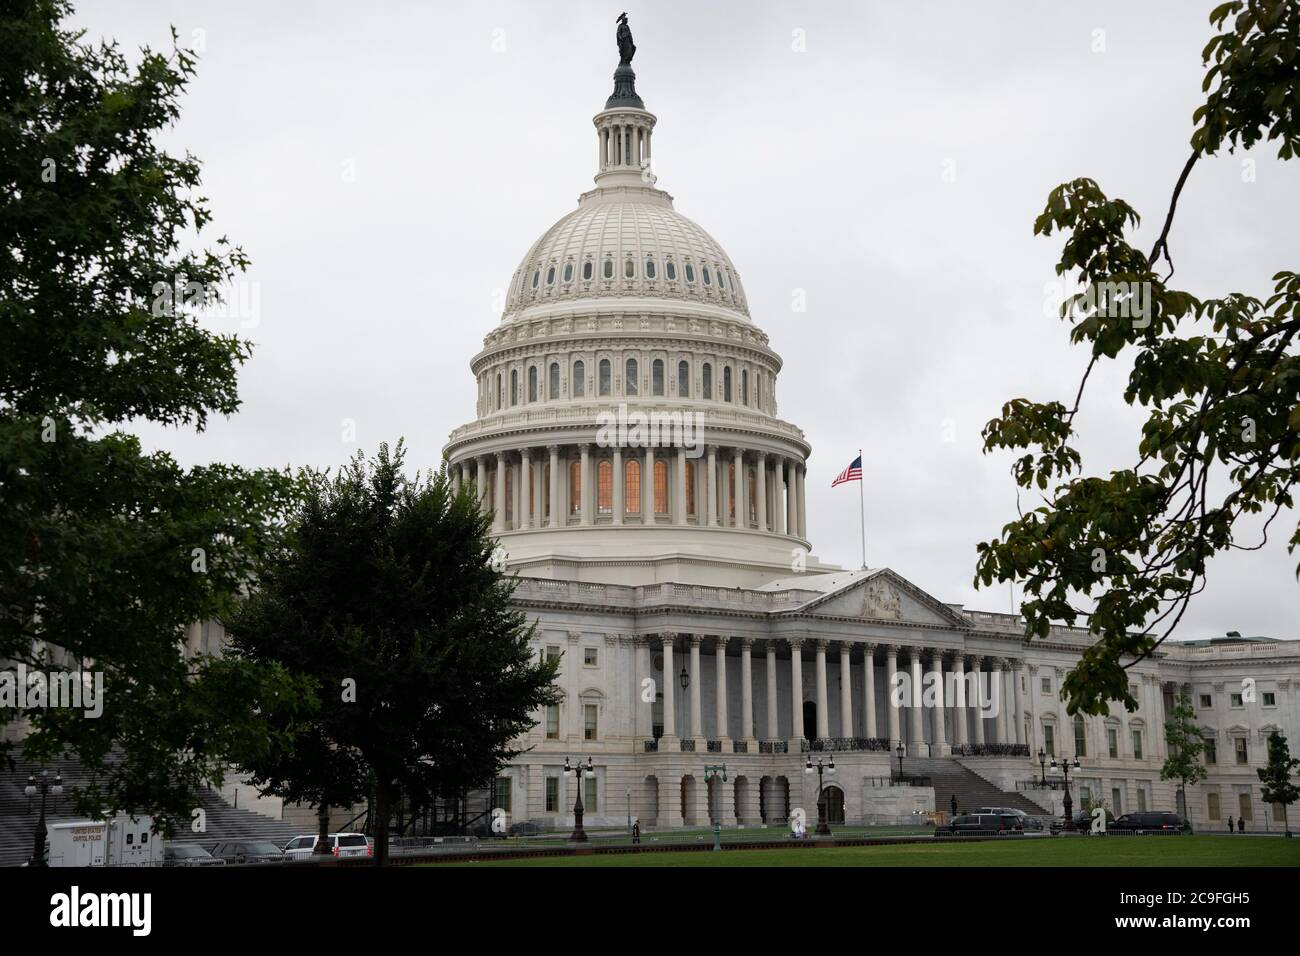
(657, 377)
(670, 269)
(568, 271)
(758, 389)
(579, 379)
(729, 493)
(1080, 737)
(604, 376)
(632, 487)
(501, 393)
(550, 276)
(683, 379)
(555, 380)
(706, 374)
(726, 384)
(690, 272)
(532, 383)
(543, 509)
(661, 486)
(536, 276)
(629, 269)
(649, 268)
(604, 486)
(510, 495)
(514, 386)
(753, 496)
(705, 273)
(608, 271)
(630, 378)
(744, 386)
(575, 487)
(690, 487)
(586, 270)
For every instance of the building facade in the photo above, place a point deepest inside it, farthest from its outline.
(627, 441)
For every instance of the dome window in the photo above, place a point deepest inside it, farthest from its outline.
(550, 276)
(690, 272)
(537, 277)
(629, 269)
(657, 377)
(706, 376)
(568, 272)
(579, 379)
(514, 386)
(705, 273)
(609, 269)
(670, 269)
(726, 383)
(630, 380)
(683, 379)
(649, 268)
(532, 383)
(604, 377)
(554, 380)
(586, 271)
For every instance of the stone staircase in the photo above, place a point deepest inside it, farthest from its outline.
(18, 821)
(972, 791)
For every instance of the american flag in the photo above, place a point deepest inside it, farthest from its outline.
(851, 473)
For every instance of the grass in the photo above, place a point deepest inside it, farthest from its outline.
(1213, 851)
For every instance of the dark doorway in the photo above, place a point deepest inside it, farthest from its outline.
(809, 719)
(834, 799)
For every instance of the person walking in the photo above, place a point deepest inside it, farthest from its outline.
(954, 804)
(1231, 828)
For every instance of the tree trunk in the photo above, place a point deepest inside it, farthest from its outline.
(323, 831)
(383, 800)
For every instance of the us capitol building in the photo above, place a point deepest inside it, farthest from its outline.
(628, 442)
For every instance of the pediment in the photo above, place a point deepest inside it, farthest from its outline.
(886, 596)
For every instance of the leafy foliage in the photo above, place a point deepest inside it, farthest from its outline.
(1219, 378)
(98, 559)
(1186, 743)
(386, 596)
(1276, 774)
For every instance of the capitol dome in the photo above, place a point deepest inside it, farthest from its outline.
(626, 427)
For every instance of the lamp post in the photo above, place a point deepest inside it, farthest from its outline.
(1042, 765)
(579, 773)
(1065, 768)
(823, 828)
(629, 810)
(900, 750)
(683, 681)
(710, 772)
(44, 787)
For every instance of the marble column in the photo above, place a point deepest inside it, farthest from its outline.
(772, 725)
(712, 483)
(697, 722)
(499, 519)
(778, 500)
(796, 693)
(941, 748)
(1018, 678)
(869, 690)
(746, 690)
(648, 487)
(791, 499)
(620, 485)
(481, 482)
(800, 476)
(679, 492)
(720, 687)
(823, 704)
(846, 691)
(960, 716)
(453, 472)
(525, 512)
(891, 682)
(584, 471)
(554, 473)
(917, 747)
(999, 700)
(760, 489)
(977, 705)
(669, 690)
(738, 487)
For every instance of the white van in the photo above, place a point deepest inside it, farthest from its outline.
(120, 841)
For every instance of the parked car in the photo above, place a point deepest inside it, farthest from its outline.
(1082, 820)
(1149, 821)
(1031, 824)
(525, 828)
(973, 824)
(248, 851)
(341, 845)
(188, 854)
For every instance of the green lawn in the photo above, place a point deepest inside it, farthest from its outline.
(1223, 851)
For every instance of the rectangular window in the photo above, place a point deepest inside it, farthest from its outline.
(1207, 701)
(1112, 742)
(1212, 806)
(1142, 799)
(589, 796)
(1278, 812)
(1211, 753)
(1115, 800)
(1085, 798)
(1047, 685)
(589, 656)
(1137, 744)
(502, 794)
(1049, 740)
(1080, 738)
(1234, 700)
(552, 721)
(589, 727)
(1243, 752)
(552, 794)
(1243, 806)
(1269, 699)
(552, 652)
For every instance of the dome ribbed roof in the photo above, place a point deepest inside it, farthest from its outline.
(617, 232)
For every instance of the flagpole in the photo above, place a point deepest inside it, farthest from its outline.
(862, 515)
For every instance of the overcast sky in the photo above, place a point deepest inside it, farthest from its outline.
(387, 165)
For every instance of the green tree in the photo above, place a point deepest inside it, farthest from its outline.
(1186, 744)
(1219, 378)
(1276, 776)
(386, 595)
(108, 553)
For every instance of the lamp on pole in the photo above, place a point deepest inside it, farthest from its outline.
(43, 787)
(683, 681)
(1042, 764)
(1065, 768)
(899, 750)
(710, 772)
(579, 773)
(823, 828)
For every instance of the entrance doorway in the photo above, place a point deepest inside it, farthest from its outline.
(833, 797)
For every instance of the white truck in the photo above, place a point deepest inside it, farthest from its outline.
(119, 841)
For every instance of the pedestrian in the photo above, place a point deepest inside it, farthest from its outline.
(636, 831)
(954, 804)
(1231, 828)
(1241, 825)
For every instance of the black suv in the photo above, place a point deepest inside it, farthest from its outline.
(978, 824)
(1149, 821)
